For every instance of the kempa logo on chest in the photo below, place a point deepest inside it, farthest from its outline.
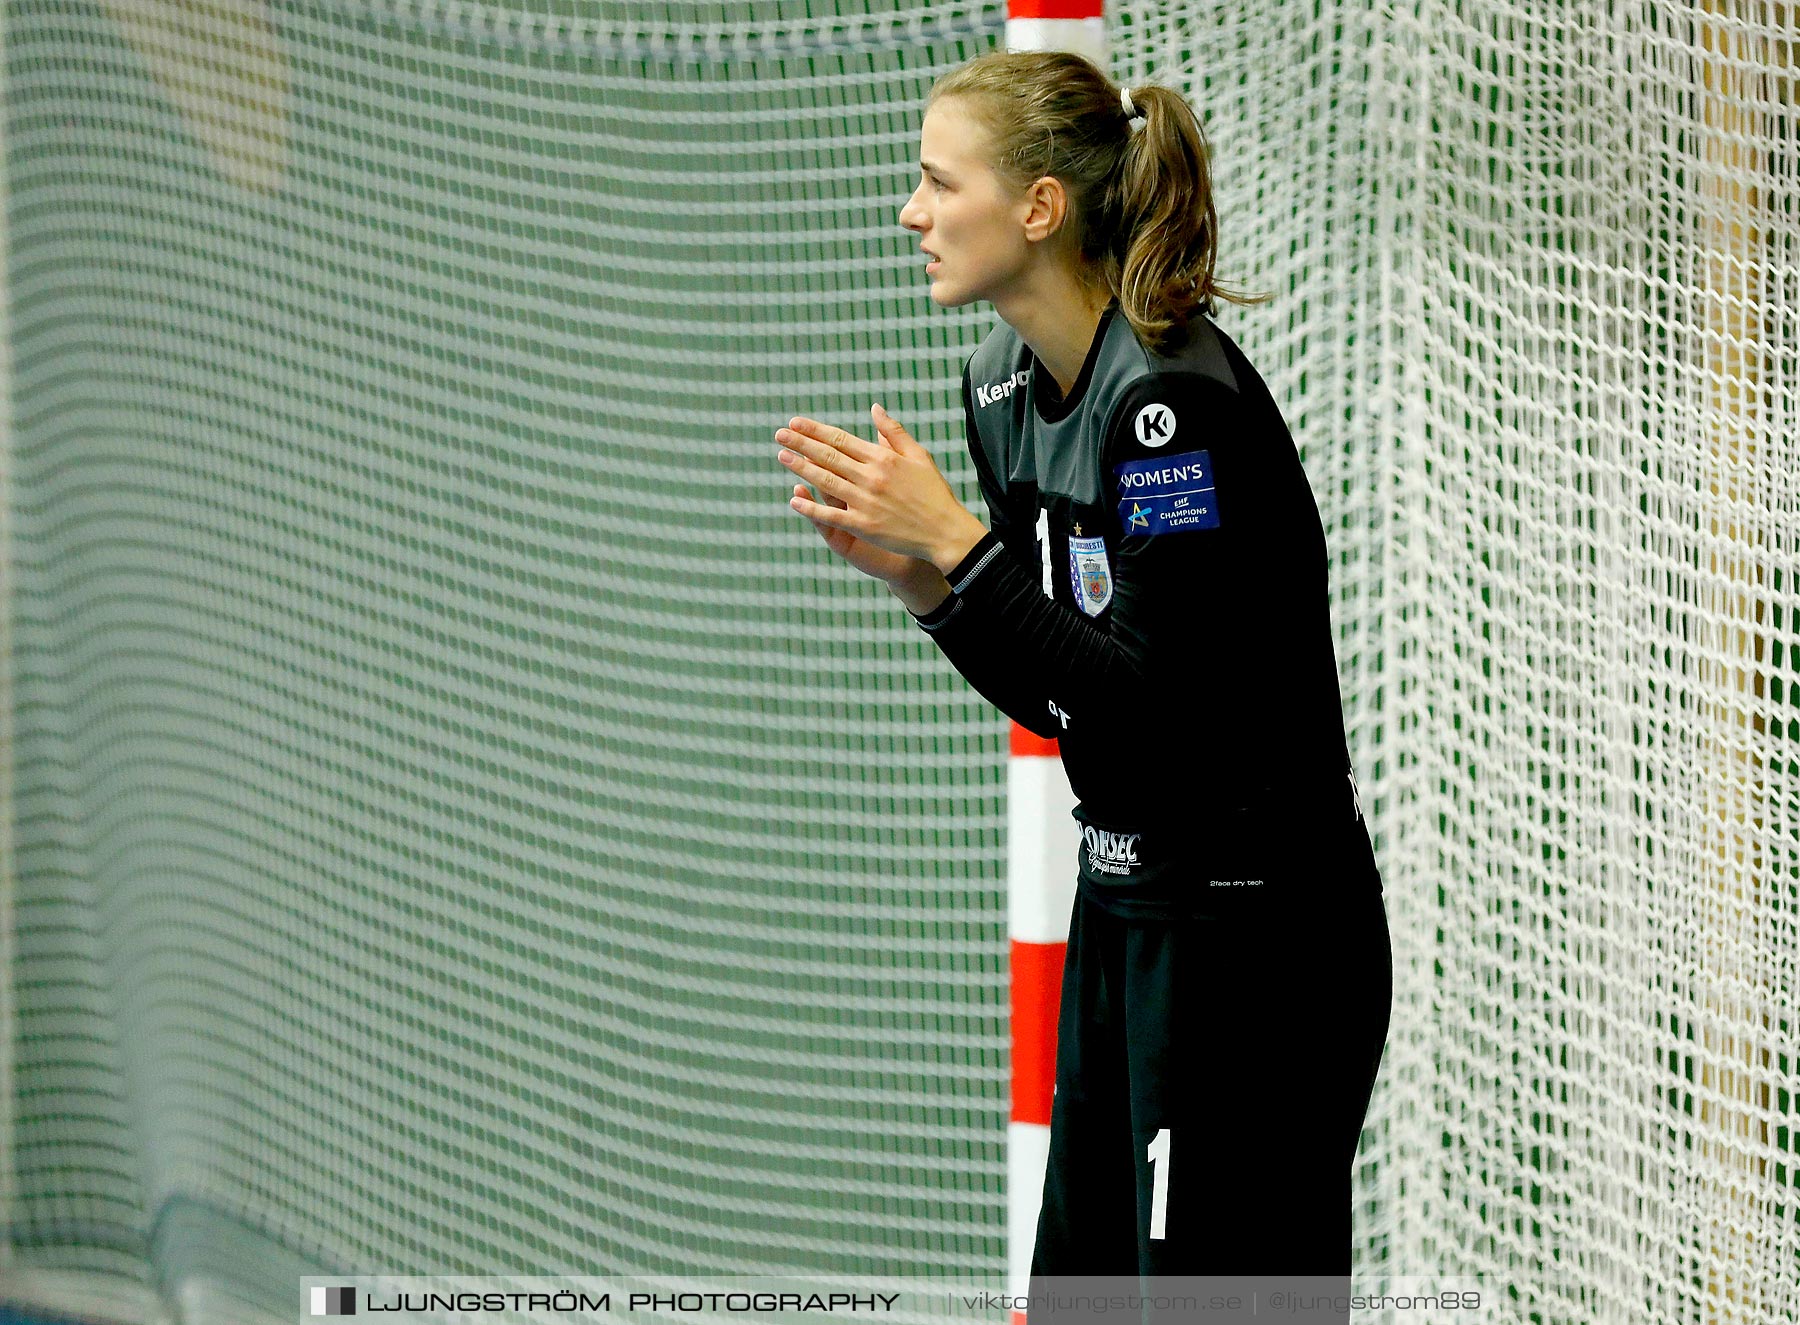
(988, 392)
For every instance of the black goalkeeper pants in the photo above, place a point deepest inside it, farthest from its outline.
(1211, 1081)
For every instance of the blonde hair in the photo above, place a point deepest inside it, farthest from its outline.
(1140, 199)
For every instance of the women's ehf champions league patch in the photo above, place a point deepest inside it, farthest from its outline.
(1090, 575)
(1167, 494)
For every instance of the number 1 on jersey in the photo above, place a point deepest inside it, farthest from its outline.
(1043, 537)
(1159, 1183)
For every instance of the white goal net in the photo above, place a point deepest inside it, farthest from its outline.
(463, 823)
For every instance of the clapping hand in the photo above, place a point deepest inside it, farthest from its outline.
(884, 506)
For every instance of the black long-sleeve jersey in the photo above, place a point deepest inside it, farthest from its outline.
(1152, 593)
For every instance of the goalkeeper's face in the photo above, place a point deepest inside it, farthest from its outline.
(969, 224)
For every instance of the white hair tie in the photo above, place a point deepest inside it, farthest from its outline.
(1131, 111)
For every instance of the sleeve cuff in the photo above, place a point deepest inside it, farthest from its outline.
(938, 615)
(974, 562)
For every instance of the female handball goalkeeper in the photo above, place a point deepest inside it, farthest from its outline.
(1151, 592)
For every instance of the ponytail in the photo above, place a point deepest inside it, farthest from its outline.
(1161, 265)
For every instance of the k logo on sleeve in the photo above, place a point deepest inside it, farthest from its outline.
(1155, 425)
